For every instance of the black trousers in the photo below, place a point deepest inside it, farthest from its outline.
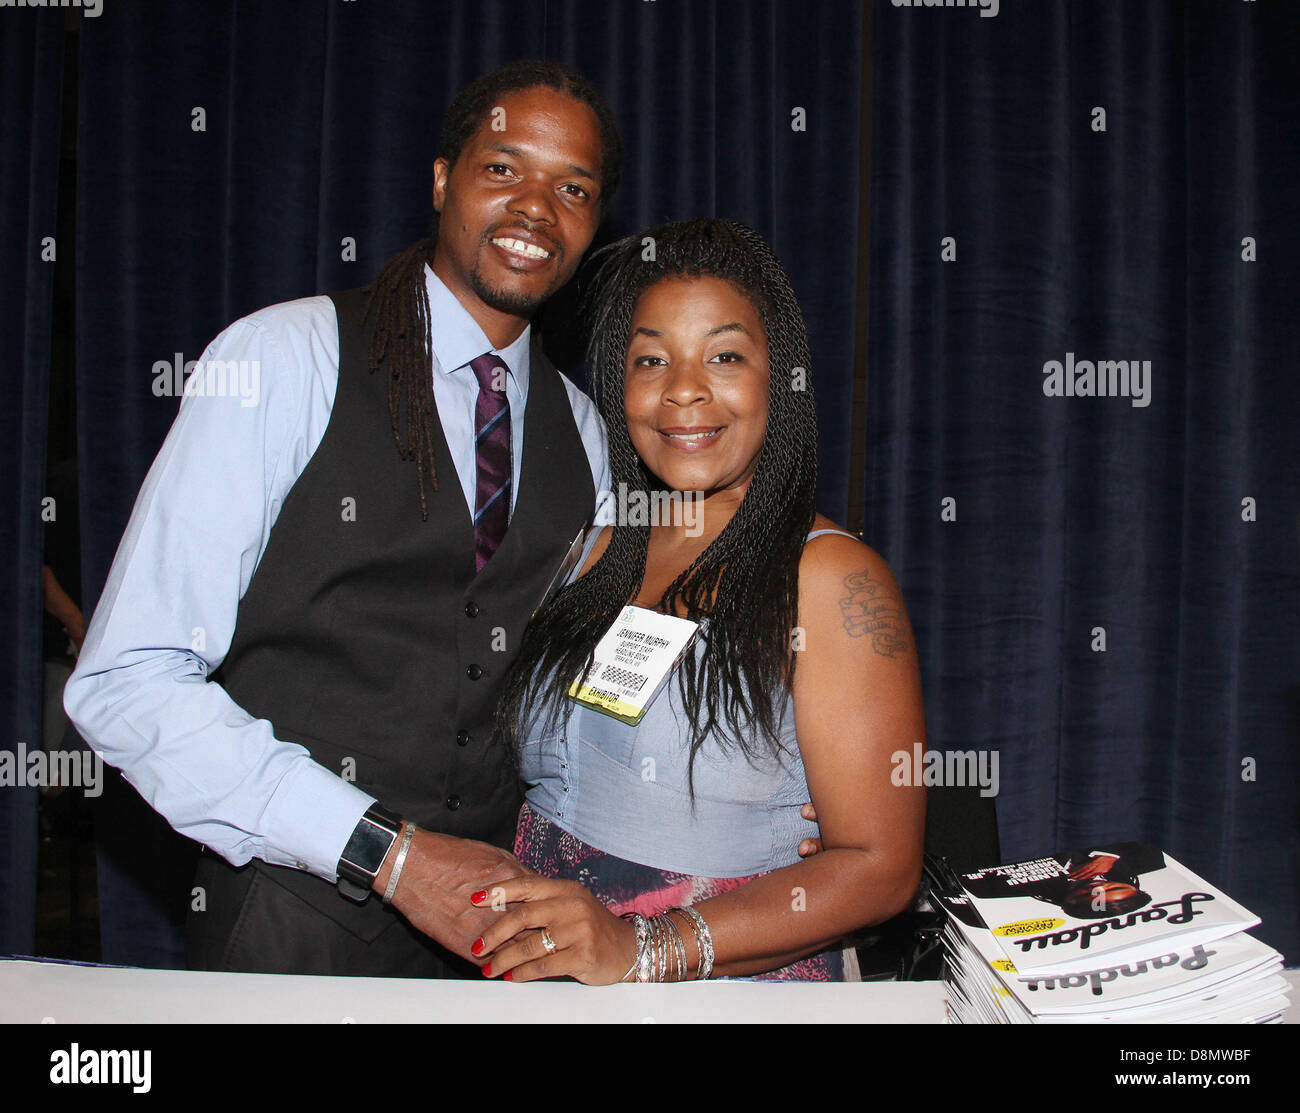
(252, 920)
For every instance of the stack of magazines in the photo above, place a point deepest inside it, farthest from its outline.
(1112, 933)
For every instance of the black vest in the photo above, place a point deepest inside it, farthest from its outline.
(366, 635)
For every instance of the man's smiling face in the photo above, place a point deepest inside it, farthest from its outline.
(519, 208)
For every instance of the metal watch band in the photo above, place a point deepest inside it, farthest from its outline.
(371, 840)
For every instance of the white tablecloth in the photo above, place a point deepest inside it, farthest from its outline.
(31, 992)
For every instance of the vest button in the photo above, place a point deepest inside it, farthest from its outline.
(462, 738)
(474, 672)
(471, 609)
(453, 802)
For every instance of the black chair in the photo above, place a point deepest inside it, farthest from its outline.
(961, 833)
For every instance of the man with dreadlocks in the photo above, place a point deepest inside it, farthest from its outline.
(357, 576)
(802, 674)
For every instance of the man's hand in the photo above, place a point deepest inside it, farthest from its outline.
(441, 873)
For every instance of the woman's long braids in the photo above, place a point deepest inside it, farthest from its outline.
(746, 583)
(399, 303)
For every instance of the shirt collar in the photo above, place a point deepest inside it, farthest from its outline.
(457, 337)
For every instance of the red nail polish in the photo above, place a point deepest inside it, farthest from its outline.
(487, 970)
(510, 975)
(481, 895)
(477, 949)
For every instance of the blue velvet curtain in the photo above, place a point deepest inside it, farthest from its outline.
(1163, 233)
(226, 151)
(31, 67)
(1118, 182)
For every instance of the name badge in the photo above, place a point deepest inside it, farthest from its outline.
(633, 662)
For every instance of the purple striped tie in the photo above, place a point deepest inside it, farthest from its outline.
(492, 448)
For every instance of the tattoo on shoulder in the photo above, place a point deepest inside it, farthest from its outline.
(872, 609)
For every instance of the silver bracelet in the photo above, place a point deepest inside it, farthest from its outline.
(678, 946)
(699, 940)
(661, 949)
(704, 939)
(642, 948)
(638, 923)
(399, 862)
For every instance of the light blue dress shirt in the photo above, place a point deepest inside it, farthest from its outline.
(201, 522)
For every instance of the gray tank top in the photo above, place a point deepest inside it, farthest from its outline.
(624, 789)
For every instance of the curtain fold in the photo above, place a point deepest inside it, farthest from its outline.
(1110, 601)
(31, 66)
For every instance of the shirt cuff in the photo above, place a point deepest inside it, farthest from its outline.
(310, 819)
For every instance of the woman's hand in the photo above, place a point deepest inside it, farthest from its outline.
(809, 847)
(591, 943)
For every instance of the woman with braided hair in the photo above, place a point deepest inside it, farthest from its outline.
(668, 849)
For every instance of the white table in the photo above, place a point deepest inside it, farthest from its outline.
(31, 992)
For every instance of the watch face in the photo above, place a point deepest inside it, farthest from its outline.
(369, 844)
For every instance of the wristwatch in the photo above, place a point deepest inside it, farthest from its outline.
(369, 845)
